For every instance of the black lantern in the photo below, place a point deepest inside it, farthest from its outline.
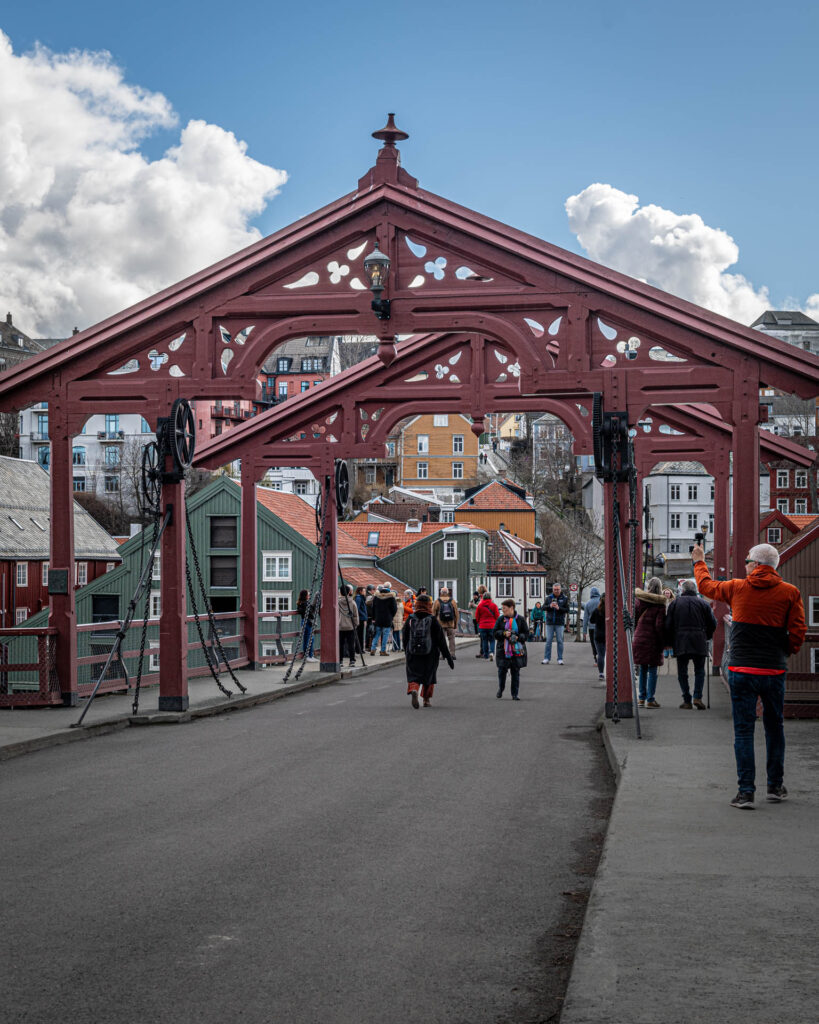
(377, 269)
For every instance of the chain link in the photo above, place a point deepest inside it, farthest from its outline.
(143, 637)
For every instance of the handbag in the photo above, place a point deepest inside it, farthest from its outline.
(518, 647)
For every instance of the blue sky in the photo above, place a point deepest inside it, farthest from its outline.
(697, 108)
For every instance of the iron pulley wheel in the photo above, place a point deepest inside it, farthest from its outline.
(342, 484)
(183, 433)
(151, 478)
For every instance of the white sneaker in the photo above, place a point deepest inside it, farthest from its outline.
(545, 661)
(560, 661)
(311, 659)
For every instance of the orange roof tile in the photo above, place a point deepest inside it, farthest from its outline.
(391, 536)
(801, 521)
(361, 575)
(494, 497)
(300, 516)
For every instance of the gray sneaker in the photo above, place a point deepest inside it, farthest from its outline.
(776, 794)
(745, 801)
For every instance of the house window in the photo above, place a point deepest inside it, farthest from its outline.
(457, 471)
(423, 444)
(111, 484)
(692, 521)
(674, 520)
(109, 566)
(391, 448)
(144, 426)
(535, 586)
(112, 455)
(801, 478)
(224, 571)
(369, 475)
(813, 613)
(504, 588)
(712, 492)
(450, 549)
(312, 365)
(774, 535)
(457, 444)
(21, 616)
(711, 523)
(42, 425)
(78, 455)
(372, 538)
(276, 565)
(423, 470)
(440, 420)
(153, 657)
(305, 385)
(282, 365)
(674, 549)
(22, 574)
(801, 506)
(782, 505)
(111, 423)
(674, 492)
(82, 573)
(223, 532)
(282, 389)
(447, 517)
(156, 604)
(528, 556)
(782, 476)
(44, 457)
(44, 577)
(693, 490)
(155, 574)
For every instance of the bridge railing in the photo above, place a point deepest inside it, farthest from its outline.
(279, 635)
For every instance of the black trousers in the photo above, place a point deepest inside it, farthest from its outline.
(346, 644)
(514, 670)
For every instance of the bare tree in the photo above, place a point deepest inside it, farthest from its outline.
(10, 421)
(573, 551)
(355, 348)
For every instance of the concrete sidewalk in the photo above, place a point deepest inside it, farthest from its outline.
(23, 730)
(701, 912)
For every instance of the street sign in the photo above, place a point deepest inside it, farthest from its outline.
(573, 588)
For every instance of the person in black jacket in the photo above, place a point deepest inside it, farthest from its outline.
(598, 620)
(384, 607)
(557, 607)
(422, 630)
(511, 634)
(690, 624)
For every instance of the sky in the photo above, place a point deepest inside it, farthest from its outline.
(675, 142)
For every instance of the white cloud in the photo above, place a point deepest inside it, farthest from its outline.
(88, 224)
(679, 253)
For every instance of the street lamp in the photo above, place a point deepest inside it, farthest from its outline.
(377, 269)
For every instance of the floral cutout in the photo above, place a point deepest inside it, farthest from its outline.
(157, 359)
(514, 369)
(306, 281)
(337, 271)
(436, 267)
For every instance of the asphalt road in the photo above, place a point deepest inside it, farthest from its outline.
(334, 857)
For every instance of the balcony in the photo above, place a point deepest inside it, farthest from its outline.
(39, 436)
(226, 412)
(110, 435)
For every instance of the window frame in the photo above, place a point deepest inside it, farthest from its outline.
(674, 520)
(774, 535)
(505, 586)
(81, 573)
(422, 471)
(450, 550)
(783, 478)
(458, 444)
(422, 444)
(287, 556)
(21, 574)
(457, 470)
(674, 492)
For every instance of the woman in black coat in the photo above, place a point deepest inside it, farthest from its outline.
(598, 620)
(690, 625)
(422, 666)
(511, 634)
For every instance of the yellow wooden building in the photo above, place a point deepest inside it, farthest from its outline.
(438, 450)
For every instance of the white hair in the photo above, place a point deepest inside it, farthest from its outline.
(688, 587)
(764, 554)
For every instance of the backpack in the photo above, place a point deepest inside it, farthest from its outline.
(446, 612)
(420, 636)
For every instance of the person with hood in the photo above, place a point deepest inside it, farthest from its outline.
(361, 605)
(538, 616)
(511, 634)
(347, 624)
(690, 624)
(588, 625)
(768, 624)
(649, 639)
(384, 607)
(486, 617)
(424, 645)
(397, 622)
(445, 611)
(598, 620)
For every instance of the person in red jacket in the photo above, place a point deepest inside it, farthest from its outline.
(768, 625)
(486, 615)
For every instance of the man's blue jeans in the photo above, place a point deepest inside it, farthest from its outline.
(745, 688)
(553, 632)
(487, 642)
(647, 686)
(384, 634)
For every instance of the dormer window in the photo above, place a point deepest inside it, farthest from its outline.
(372, 538)
(528, 556)
(413, 526)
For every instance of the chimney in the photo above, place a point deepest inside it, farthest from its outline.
(8, 319)
(76, 330)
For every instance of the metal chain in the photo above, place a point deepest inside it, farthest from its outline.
(144, 636)
(615, 710)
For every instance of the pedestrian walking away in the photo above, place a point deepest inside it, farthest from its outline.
(384, 607)
(424, 646)
(347, 625)
(361, 605)
(472, 608)
(445, 611)
(557, 607)
(369, 596)
(588, 625)
(487, 616)
(649, 639)
(768, 625)
(690, 624)
(306, 614)
(397, 622)
(511, 634)
(598, 618)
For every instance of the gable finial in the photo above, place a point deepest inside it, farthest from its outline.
(389, 134)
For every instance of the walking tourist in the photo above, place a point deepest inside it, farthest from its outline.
(397, 622)
(306, 614)
(649, 639)
(538, 615)
(588, 625)
(598, 620)
(445, 611)
(384, 607)
(369, 595)
(768, 624)
(361, 605)
(690, 624)
(347, 625)
(557, 607)
(472, 608)
(487, 616)
(424, 645)
(511, 634)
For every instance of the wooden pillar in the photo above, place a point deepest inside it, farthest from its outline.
(329, 590)
(173, 627)
(721, 541)
(624, 705)
(249, 563)
(62, 614)
(745, 481)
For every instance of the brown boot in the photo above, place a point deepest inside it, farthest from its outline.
(698, 704)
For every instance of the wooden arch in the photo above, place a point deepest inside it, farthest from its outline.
(511, 321)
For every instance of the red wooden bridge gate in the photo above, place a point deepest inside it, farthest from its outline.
(492, 320)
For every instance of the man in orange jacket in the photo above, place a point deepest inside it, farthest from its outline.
(768, 624)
